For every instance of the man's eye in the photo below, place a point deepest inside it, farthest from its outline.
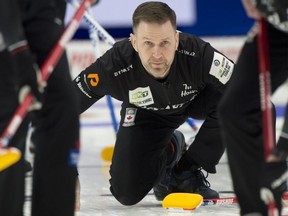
(164, 43)
(148, 43)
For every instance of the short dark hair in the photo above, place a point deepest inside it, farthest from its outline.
(153, 12)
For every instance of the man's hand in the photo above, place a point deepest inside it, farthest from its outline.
(28, 74)
(274, 11)
(273, 182)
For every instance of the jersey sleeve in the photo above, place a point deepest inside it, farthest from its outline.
(103, 76)
(90, 85)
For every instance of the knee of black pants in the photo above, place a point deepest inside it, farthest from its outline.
(128, 194)
(130, 185)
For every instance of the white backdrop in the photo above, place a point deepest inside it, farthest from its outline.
(113, 13)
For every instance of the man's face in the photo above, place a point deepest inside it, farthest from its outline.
(156, 45)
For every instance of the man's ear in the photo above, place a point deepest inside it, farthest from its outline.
(133, 41)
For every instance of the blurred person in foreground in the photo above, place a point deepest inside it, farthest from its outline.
(29, 30)
(256, 181)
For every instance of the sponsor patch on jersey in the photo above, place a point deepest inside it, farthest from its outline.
(141, 96)
(93, 79)
(130, 115)
(221, 68)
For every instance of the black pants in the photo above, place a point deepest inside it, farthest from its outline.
(140, 154)
(240, 115)
(11, 179)
(56, 129)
